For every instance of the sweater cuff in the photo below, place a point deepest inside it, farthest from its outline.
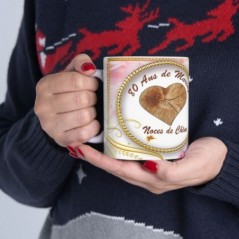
(39, 153)
(225, 186)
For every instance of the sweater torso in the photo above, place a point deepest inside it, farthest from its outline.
(94, 204)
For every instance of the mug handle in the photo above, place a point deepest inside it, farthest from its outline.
(100, 137)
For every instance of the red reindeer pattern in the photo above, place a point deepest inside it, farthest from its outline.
(48, 61)
(124, 39)
(218, 26)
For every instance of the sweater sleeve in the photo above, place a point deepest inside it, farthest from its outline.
(225, 186)
(33, 170)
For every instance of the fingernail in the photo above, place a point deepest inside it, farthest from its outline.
(151, 166)
(86, 66)
(73, 155)
(182, 154)
(71, 149)
(80, 153)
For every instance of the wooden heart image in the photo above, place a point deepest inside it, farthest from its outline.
(164, 103)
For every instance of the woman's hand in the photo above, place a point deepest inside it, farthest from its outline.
(202, 162)
(65, 103)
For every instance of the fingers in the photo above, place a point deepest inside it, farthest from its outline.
(75, 77)
(173, 172)
(69, 128)
(82, 64)
(67, 102)
(130, 170)
(80, 135)
(183, 172)
(199, 165)
(66, 82)
(76, 119)
(74, 136)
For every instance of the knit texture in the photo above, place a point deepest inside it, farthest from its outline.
(87, 202)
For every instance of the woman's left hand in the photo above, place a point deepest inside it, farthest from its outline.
(202, 162)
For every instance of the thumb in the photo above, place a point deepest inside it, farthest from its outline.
(168, 171)
(82, 64)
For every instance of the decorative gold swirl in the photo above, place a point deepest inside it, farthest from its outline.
(129, 151)
(112, 129)
(137, 123)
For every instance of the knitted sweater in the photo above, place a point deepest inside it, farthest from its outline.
(87, 202)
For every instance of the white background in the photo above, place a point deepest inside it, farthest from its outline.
(16, 221)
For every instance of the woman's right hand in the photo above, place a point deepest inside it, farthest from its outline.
(65, 103)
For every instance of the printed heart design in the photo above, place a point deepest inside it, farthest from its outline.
(164, 103)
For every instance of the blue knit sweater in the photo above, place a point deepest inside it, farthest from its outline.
(85, 201)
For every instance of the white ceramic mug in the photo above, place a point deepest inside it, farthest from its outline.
(145, 107)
